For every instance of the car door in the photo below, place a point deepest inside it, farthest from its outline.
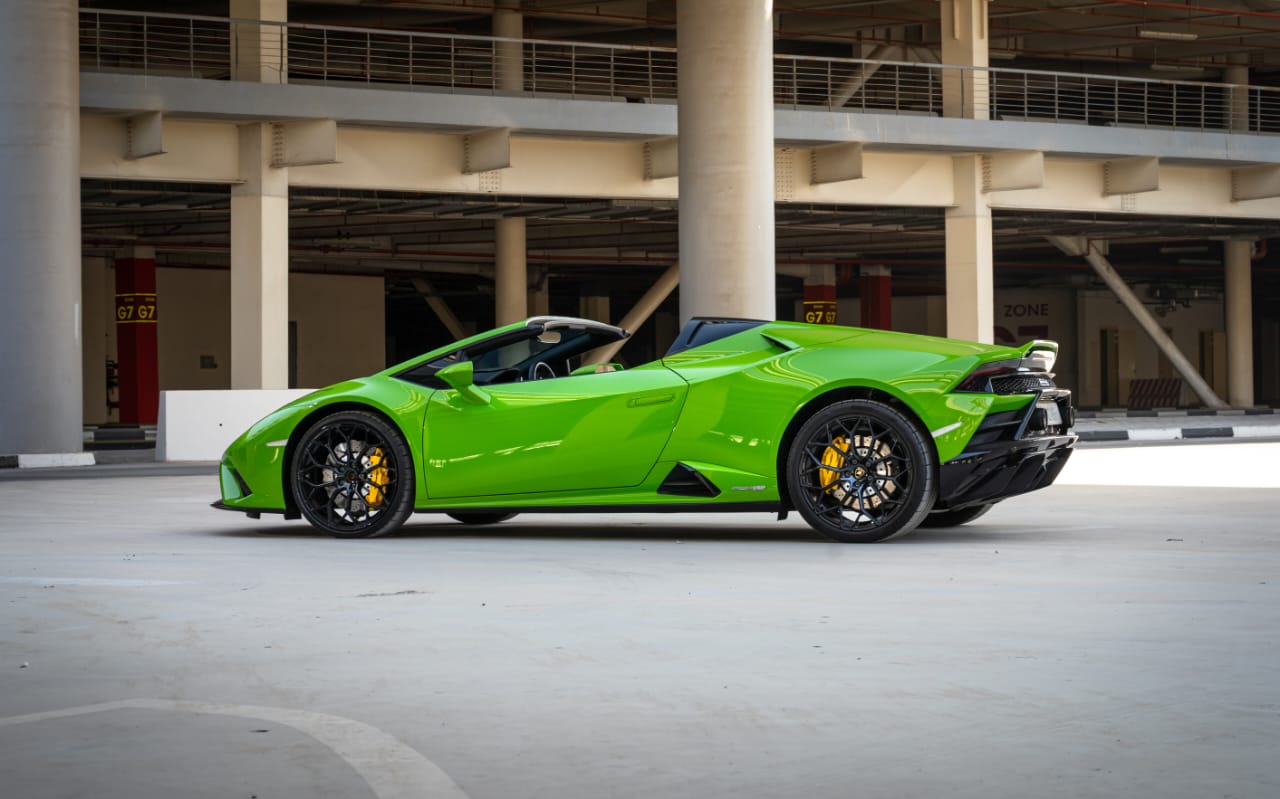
(576, 433)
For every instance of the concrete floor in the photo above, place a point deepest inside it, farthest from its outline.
(1085, 641)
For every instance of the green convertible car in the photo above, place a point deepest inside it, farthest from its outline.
(868, 434)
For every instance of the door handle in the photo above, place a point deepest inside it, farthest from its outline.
(649, 399)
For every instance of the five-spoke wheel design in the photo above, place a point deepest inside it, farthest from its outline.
(859, 471)
(353, 475)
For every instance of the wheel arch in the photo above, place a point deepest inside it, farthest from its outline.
(307, 422)
(831, 397)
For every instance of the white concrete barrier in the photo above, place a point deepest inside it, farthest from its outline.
(198, 425)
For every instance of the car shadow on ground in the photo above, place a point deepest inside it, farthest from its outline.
(594, 529)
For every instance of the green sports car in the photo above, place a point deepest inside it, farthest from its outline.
(868, 434)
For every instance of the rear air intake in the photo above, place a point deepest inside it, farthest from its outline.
(683, 481)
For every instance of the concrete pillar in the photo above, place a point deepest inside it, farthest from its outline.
(137, 342)
(970, 282)
(1239, 313)
(965, 92)
(508, 23)
(41, 384)
(260, 266)
(260, 47)
(725, 120)
(539, 294)
(1238, 108)
(259, 213)
(820, 295)
(875, 293)
(511, 273)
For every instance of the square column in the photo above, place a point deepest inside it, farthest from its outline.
(875, 292)
(965, 92)
(970, 282)
(1239, 313)
(137, 347)
(259, 266)
(511, 271)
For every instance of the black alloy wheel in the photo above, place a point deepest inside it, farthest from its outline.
(353, 475)
(859, 471)
(955, 518)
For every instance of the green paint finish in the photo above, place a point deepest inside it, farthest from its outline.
(599, 439)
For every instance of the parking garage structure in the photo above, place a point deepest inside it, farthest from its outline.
(316, 190)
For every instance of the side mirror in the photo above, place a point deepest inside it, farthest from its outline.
(462, 378)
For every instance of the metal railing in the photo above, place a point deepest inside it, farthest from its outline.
(220, 48)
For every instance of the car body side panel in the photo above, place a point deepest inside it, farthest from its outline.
(745, 389)
(586, 433)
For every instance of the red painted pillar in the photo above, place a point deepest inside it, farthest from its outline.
(876, 294)
(136, 351)
(820, 295)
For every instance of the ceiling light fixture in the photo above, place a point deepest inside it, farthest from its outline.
(1168, 36)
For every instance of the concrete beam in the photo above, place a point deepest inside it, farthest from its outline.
(304, 143)
(143, 135)
(1130, 176)
(1011, 171)
(835, 163)
(1255, 182)
(486, 150)
(661, 158)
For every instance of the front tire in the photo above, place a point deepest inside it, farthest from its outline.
(352, 475)
(859, 471)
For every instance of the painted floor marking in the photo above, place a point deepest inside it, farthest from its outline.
(392, 769)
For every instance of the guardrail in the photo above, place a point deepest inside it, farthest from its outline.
(226, 49)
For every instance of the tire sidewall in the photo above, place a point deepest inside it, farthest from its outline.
(921, 491)
(401, 503)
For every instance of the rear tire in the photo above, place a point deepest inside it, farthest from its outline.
(480, 518)
(352, 475)
(860, 471)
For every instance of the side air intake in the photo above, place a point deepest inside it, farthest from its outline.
(683, 481)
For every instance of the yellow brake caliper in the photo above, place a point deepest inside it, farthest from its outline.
(379, 478)
(833, 460)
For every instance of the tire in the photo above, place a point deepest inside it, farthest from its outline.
(955, 518)
(480, 518)
(352, 475)
(859, 471)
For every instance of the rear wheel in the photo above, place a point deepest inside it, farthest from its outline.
(480, 518)
(859, 472)
(955, 518)
(353, 475)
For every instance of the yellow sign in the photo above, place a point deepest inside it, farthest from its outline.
(134, 309)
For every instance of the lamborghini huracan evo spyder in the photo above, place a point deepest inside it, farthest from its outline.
(868, 434)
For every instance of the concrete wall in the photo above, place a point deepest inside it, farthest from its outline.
(341, 326)
(1139, 356)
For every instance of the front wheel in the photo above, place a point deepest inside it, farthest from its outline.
(353, 475)
(859, 471)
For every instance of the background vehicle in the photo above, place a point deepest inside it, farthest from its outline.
(868, 434)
